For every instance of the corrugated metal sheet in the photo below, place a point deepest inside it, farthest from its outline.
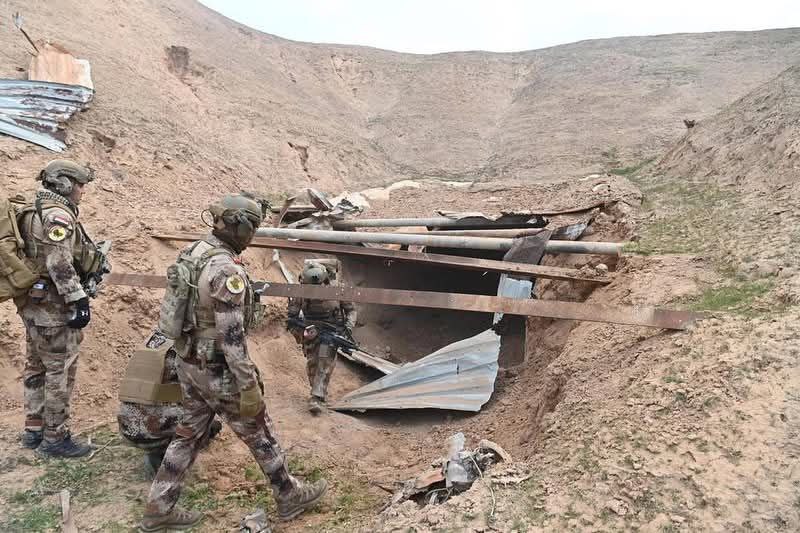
(459, 376)
(35, 111)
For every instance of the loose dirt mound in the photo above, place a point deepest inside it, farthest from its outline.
(755, 141)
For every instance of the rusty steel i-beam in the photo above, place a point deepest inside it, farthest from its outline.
(632, 315)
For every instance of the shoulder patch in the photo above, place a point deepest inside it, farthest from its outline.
(235, 284)
(57, 234)
(61, 221)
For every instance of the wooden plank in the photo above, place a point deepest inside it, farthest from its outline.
(67, 520)
(449, 261)
(632, 315)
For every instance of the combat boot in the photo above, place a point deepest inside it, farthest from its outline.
(32, 439)
(178, 518)
(66, 447)
(316, 406)
(302, 497)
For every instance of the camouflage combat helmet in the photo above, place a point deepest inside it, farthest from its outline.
(315, 274)
(60, 174)
(236, 218)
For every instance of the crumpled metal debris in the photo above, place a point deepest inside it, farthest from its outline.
(256, 522)
(328, 211)
(457, 472)
(459, 376)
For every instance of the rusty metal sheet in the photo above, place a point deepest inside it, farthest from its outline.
(45, 89)
(35, 111)
(449, 261)
(631, 315)
(460, 377)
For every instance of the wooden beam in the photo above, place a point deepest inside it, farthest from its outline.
(632, 315)
(448, 261)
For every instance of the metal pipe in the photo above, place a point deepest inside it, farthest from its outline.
(439, 222)
(519, 232)
(436, 241)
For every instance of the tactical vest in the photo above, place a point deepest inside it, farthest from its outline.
(187, 311)
(323, 311)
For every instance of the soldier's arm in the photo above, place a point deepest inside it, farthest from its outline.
(349, 314)
(227, 289)
(59, 233)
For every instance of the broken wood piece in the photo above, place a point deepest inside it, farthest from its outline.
(67, 521)
(449, 261)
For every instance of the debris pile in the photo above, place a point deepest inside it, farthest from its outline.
(457, 472)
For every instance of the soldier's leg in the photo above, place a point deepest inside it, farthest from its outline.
(258, 433)
(311, 351)
(293, 496)
(327, 362)
(183, 449)
(59, 353)
(33, 388)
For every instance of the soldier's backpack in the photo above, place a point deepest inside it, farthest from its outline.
(17, 272)
(177, 308)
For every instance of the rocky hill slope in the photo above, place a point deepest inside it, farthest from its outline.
(183, 92)
(754, 141)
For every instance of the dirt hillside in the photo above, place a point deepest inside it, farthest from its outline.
(754, 141)
(183, 92)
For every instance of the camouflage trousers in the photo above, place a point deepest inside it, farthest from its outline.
(320, 362)
(206, 392)
(51, 361)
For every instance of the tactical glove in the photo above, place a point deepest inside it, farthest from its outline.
(250, 401)
(83, 314)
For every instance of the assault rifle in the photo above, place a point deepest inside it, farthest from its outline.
(329, 334)
(93, 279)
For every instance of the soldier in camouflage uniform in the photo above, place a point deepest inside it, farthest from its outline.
(151, 426)
(56, 308)
(218, 377)
(320, 358)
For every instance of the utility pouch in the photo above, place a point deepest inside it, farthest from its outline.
(38, 291)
